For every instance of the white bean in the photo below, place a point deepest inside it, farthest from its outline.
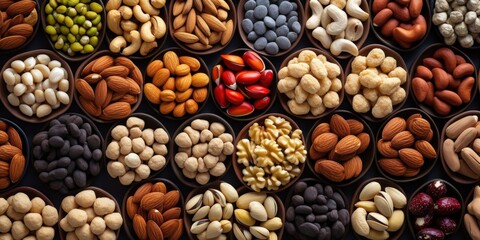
(43, 110)
(18, 66)
(19, 89)
(35, 106)
(43, 59)
(39, 96)
(63, 97)
(56, 105)
(37, 75)
(10, 88)
(50, 97)
(56, 75)
(44, 69)
(8, 77)
(25, 109)
(54, 64)
(64, 85)
(28, 98)
(27, 78)
(29, 63)
(13, 100)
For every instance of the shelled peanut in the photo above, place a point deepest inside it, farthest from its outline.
(257, 215)
(212, 212)
(178, 85)
(155, 212)
(376, 83)
(38, 85)
(17, 22)
(203, 148)
(201, 25)
(472, 216)
(311, 83)
(444, 80)
(378, 213)
(136, 151)
(405, 145)
(27, 217)
(271, 154)
(401, 21)
(461, 148)
(137, 25)
(12, 161)
(108, 87)
(338, 147)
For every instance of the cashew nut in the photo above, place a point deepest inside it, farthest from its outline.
(314, 20)
(131, 3)
(126, 12)
(321, 35)
(148, 8)
(32, 18)
(127, 36)
(135, 45)
(113, 5)
(343, 45)
(354, 29)
(128, 25)
(158, 3)
(140, 15)
(146, 32)
(159, 28)
(324, 18)
(113, 22)
(353, 9)
(117, 44)
(341, 35)
(339, 20)
(147, 47)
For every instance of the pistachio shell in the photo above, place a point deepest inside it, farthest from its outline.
(377, 221)
(214, 229)
(257, 211)
(369, 191)
(359, 222)
(395, 222)
(194, 204)
(377, 235)
(272, 224)
(218, 197)
(273, 236)
(226, 226)
(199, 226)
(271, 207)
(259, 232)
(244, 200)
(228, 211)
(369, 206)
(201, 213)
(215, 213)
(399, 200)
(243, 217)
(231, 194)
(208, 199)
(384, 203)
(240, 234)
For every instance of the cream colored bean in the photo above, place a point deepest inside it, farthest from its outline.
(56, 105)
(10, 88)
(19, 89)
(35, 107)
(39, 86)
(37, 75)
(25, 109)
(18, 66)
(53, 64)
(13, 100)
(63, 85)
(27, 78)
(44, 69)
(8, 77)
(43, 110)
(28, 98)
(56, 75)
(43, 59)
(50, 97)
(63, 97)
(39, 96)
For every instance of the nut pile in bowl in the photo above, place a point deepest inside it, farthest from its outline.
(19, 19)
(377, 83)
(12, 160)
(38, 85)
(343, 34)
(108, 88)
(202, 25)
(271, 154)
(136, 151)
(312, 83)
(137, 25)
(179, 84)
(202, 149)
(378, 213)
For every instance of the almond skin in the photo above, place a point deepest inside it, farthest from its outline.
(348, 145)
(325, 142)
(356, 127)
(332, 170)
(393, 127)
(17, 166)
(365, 142)
(386, 150)
(141, 192)
(411, 157)
(393, 166)
(403, 139)
(321, 128)
(353, 167)
(140, 226)
(339, 126)
(420, 128)
(426, 149)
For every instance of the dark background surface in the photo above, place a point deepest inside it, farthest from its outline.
(105, 182)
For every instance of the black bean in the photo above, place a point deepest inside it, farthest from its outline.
(73, 130)
(309, 229)
(71, 167)
(65, 148)
(64, 162)
(290, 227)
(338, 230)
(52, 165)
(290, 215)
(39, 137)
(55, 122)
(297, 200)
(75, 119)
(97, 155)
(58, 130)
(328, 191)
(37, 152)
(300, 188)
(87, 154)
(303, 209)
(62, 119)
(52, 155)
(328, 232)
(87, 128)
(94, 142)
(59, 173)
(310, 218)
(68, 181)
(331, 204)
(46, 145)
(321, 218)
(299, 220)
(332, 216)
(80, 178)
(321, 199)
(40, 165)
(344, 216)
(75, 151)
(82, 139)
(339, 200)
(310, 194)
(322, 235)
(94, 168)
(81, 164)
(43, 177)
(320, 209)
(319, 188)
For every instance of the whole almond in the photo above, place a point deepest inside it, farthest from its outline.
(153, 200)
(172, 213)
(213, 22)
(132, 207)
(420, 128)
(159, 187)
(321, 128)
(393, 166)
(17, 166)
(402, 139)
(339, 126)
(325, 142)
(353, 167)
(426, 149)
(3, 137)
(171, 199)
(356, 127)
(156, 216)
(153, 230)
(365, 142)
(393, 127)
(140, 226)
(386, 150)
(169, 227)
(85, 90)
(332, 170)
(228, 33)
(8, 151)
(117, 110)
(411, 157)
(141, 192)
(102, 63)
(348, 145)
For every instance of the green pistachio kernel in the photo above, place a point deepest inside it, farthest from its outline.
(50, 19)
(74, 29)
(94, 41)
(80, 20)
(61, 9)
(82, 31)
(97, 20)
(69, 21)
(50, 30)
(72, 3)
(91, 15)
(48, 9)
(53, 4)
(88, 48)
(59, 17)
(71, 12)
(96, 7)
(87, 24)
(65, 47)
(92, 32)
(71, 38)
(59, 44)
(76, 47)
(99, 26)
(54, 38)
(64, 30)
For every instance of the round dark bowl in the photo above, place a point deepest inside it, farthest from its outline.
(127, 222)
(98, 193)
(78, 74)
(203, 69)
(34, 33)
(384, 183)
(426, 12)
(428, 52)
(368, 156)
(452, 192)
(280, 211)
(430, 163)
(400, 63)
(210, 117)
(232, 13)
(187, 219)
(457, 177)
(273, 91)
(150, 122)
(284, 99)
(468, 199)
(311, 182)
(244, 134)
(25, 151)
(78, 57)
(101, 162)
(366, 30)
(243, 35)
(160, 42)
(15, 111)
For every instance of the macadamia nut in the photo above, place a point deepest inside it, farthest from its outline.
(85, 198)
(103, 206)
